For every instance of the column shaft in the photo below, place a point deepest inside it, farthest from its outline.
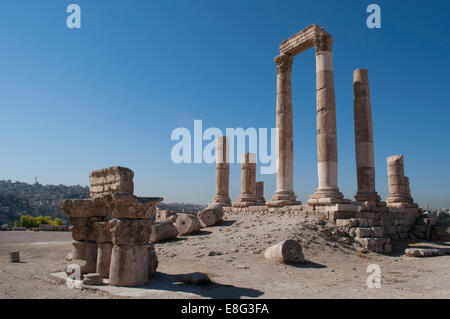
(328, 191)
(222, 171)
(284, 194)
(248, 181)
(364, 148)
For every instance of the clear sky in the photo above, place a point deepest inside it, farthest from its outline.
(111, 93)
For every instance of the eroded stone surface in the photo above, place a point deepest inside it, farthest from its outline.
(285, 252)
(111, 180)
(130, 231)
(163, 231)
(211, 215)
(187, 224)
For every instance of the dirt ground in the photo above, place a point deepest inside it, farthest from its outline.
(232, 255)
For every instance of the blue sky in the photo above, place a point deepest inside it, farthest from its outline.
(111, 93)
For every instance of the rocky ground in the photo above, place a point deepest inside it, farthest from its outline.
(232, 255)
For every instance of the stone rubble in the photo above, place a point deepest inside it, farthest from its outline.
(111, 230)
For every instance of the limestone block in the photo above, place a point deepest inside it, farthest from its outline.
(83, 229)
(211, 215)
(111, 180)
(187, 224)
(86, 251)
(285, 252)
(14, 256)
(93, 279)
(352, 222)
(363, 232)
(104, 252)
(130, 207)
(130, 231)
(103, 232)
(424, 252)
(130, 266)
(84, 208)
(163, 231)
(165, 216)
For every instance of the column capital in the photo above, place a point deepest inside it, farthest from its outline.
(323, 42)
(284, 62)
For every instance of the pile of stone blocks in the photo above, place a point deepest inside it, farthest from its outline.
(430, 226)
(111, 230)
(169, 224)
(372, 227)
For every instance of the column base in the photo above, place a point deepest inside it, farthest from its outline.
(245, 200)
(327, 197)
(283, 198)
(400, 201)
(281, 203)
(261, 202)
(243, 204)
(224, 201)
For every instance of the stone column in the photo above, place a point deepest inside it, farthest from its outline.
(284, 194)
(131, 263)
(398, 184)
(328, 191)
(83, 215)
(364, 149)
(104, 250)
(248, 181)
(260, 200)
(222, 171)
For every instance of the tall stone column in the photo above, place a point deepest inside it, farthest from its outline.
(398, 184)
(364, 148)
(328, 191)
(222, 171)
(284, 194)
(248, 181)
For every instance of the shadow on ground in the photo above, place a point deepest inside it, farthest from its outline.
(169, 282)
(308, 264)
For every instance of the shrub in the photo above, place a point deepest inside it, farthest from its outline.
(32, 222)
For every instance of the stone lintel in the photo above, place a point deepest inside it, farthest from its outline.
(300, 41)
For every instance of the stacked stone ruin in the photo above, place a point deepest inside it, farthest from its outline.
(111, 229)
(370, 221)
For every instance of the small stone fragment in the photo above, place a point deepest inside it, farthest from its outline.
(15, 256)
(93, 279)
(285, 252)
